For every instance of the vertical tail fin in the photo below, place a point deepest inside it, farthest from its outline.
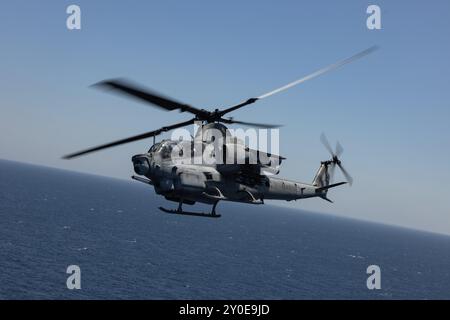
(323, 176)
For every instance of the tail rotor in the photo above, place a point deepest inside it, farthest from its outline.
(335, 161)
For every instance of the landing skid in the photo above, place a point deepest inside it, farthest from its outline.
(187, 213)
(180, 211)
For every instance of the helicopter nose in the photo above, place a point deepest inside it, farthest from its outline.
(141, 164)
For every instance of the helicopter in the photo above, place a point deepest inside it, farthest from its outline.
(248, 178)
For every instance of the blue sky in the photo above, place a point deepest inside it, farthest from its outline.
(389, 110)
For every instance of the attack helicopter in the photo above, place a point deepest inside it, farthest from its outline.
(173, 169)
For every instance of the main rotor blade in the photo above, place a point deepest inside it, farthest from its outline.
(321, 71)
(346, 174)
(296, 82)
(240, 105)
(252, 124)
(130, 139)
(147, 95)
(324, 140)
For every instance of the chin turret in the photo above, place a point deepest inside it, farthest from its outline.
(141, 164)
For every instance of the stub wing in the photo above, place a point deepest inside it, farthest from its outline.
(239, 158)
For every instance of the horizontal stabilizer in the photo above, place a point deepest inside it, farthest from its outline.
(331, 186)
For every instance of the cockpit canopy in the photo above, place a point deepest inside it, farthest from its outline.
(154, 147)
(163, 148)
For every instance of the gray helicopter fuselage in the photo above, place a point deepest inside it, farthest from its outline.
(183, 181)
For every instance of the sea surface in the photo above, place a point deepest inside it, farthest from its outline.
(127, 249)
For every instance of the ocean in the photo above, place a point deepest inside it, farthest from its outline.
(127, 249)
